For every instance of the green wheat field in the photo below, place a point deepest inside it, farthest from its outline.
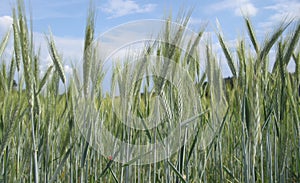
(257, 139)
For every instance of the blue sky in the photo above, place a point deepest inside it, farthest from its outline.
(67, 18)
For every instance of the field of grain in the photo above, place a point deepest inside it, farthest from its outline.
(253, 122)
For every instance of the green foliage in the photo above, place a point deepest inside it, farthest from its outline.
(257, 141)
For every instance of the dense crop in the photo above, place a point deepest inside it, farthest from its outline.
(258, 138)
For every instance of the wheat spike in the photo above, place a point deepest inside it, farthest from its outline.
(55, 58)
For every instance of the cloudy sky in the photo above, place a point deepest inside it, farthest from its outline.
(67, 19)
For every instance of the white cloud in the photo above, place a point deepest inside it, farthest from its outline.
(247, 9)
(118, 8)
(68, 69)
(239, 7)
(5, 24)
(281, 11)
(285, 9)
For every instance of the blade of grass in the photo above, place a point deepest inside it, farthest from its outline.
(62, 163)
(179, 175)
